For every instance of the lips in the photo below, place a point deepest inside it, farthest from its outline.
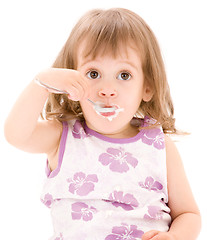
(108, 114)
(107, 111)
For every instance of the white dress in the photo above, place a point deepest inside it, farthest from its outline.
(105, 188)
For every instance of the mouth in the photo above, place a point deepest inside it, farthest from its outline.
(109, 112)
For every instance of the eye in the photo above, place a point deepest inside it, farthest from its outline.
(124, 76)
(92, 74)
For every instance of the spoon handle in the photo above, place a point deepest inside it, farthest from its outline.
(50, 88)
(101, 109)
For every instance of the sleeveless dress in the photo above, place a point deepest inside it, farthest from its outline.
(105, 188)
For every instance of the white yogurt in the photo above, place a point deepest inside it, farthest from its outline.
(108, 114)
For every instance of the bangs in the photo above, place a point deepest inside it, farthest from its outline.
(110, 31)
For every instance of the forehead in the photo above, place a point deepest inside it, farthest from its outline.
(123, 51)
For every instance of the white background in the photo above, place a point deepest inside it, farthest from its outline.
(32, 34)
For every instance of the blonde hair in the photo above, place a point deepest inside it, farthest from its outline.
(104, 31)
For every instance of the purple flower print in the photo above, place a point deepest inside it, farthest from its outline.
(155, 212)
(48, 199)
(60, 237)
(151, 184)
(82, 210)
(127, 201)
(81, 184)
(78, 131)
(154, 137)
(118, 159)
(125, 232)
(149, 121)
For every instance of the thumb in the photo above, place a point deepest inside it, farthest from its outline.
(149, 235)
(74, 94)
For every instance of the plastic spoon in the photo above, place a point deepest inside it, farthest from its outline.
(98, 108)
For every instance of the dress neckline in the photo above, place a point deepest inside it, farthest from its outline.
(135, 121)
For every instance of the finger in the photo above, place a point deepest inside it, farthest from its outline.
(85, 84)
(77, 90)
(74, 93)
(83, 89)
(161, 236)
(82, 86)
(149, 235)
(76, 84)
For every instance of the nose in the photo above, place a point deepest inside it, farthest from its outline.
(109, 93)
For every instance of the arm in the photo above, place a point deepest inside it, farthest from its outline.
(186, 220)
(22, 128)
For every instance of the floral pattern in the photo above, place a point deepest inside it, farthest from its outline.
(153, 137)
(81, 184)
(60, 237)
(48, 199)
(155, 212)
(112, 160)
(118, 160)
(125, 232)
(149, 121)
(127, 202)
(151, 184)
(78, 131)
(81, 210)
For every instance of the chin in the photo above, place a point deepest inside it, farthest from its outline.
(104, 125)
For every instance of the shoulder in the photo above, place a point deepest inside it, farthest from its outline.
(170, 145)
(53, 129)
(53, 125)
(172, 154)
(57, 130)
(181, 199)
(44, 138)
(176, 176)
(175, 168)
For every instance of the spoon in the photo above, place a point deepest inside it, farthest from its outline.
(98, 108)
(50, 88)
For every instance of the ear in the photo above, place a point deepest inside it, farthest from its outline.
(147, 93)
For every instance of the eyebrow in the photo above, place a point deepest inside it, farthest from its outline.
(129, 63)
(121, 61)
(86, 61)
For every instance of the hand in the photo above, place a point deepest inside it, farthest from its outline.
(157, 235)
(67, 80)
(77, 86)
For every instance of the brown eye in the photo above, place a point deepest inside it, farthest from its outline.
(93, 74)
(124, 76)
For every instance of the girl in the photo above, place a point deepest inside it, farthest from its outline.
(113, 173)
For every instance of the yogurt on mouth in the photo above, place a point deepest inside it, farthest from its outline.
(110, 114)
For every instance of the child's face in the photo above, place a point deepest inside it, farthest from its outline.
(114, 82)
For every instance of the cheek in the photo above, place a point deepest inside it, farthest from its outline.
(132, 104)
(87, 107)
(133, 98)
